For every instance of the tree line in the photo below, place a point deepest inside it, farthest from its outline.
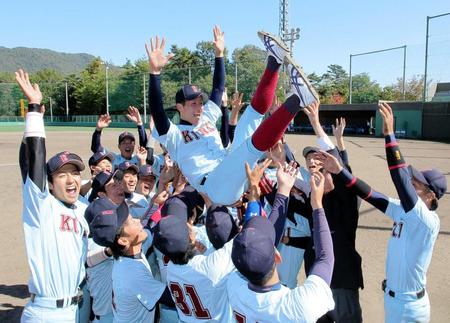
(87, 95)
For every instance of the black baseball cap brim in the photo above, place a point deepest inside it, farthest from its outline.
(98, 157)
(307, 150)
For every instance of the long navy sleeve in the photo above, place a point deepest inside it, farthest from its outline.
(278, 215)
(142, 136)
(224, 131)
(323, 245)
(96, 144)
(399, 174)
(218, 81)
(32, 155)
(155, 100)
(363, 190)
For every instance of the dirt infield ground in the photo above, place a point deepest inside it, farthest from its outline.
(366, 158)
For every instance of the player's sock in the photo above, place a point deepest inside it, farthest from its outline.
(273, 128)
(265, 91)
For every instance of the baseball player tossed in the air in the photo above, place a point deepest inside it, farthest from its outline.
(415, 229)
(126, 142)
(198, 281)
(53, 219)
(195, 143)
(256, 293)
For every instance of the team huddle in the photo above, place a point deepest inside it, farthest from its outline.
(217, 227)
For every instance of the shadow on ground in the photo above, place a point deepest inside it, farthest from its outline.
(9, 312)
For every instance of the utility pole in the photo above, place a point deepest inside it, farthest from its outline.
(107, 88)
(286, 35)
(67, 102)
(424, 96)
(145, 101)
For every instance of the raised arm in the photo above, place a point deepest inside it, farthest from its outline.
(312, 111)
(224, 124)
(32, 152)
(135, 116)
(236, 106)
(157, 61)
(359, 187)
(150, 146)
(103, 122)
(397, 165)
(254, 192)
(323, 245)
(218, 85)
(286, 176)
(338, 133)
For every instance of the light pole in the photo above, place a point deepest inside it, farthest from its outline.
(107, 88)
(67, 102)
(374, 52)
(144, 97)
(424, 97)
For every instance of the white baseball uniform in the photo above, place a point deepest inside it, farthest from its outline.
(99, 282)
(409, 254)
(199, 287)
(206, 164)
(305, 303)
(56, 243)
(135, 291)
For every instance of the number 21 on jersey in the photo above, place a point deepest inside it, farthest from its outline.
(180, 300)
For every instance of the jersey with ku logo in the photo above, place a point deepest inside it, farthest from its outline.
(55, 237)
(197, 149)
(410, 246)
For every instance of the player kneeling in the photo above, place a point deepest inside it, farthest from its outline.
(259, 295)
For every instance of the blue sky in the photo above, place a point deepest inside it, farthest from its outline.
(330, 30)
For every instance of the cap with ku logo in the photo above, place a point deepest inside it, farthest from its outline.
(126, 165)
(146, 170)
(189, 92)
(64, 158)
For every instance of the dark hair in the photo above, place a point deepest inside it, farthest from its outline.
(434, 204)
(262, 281)
(183, 258)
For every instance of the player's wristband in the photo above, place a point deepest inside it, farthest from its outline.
(34, 125)
(253, 209)
(34, 107)
(361, 188)
(393, 155)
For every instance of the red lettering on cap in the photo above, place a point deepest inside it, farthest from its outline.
(63, 158)
(108, 212)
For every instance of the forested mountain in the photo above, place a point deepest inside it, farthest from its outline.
(36, 59)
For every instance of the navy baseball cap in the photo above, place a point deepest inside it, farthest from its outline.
(126, 135)
(63, 158)
(99, 156)
(253, 252)
(175, 206)
(126, 165)
(171, 236)
(100, 180)
(307, 150)
(432, 178)
(189, 92)
(220, 226)
(106, 218)
(146, 170)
